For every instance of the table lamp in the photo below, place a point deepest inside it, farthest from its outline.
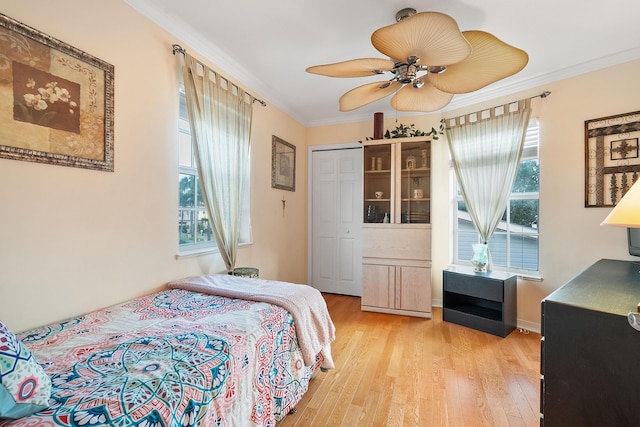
(627, 214)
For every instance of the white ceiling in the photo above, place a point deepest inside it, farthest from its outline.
(267, 45)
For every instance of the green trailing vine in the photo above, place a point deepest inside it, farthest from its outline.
(409, 131)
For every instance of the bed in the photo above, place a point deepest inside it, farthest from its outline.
(209, 350)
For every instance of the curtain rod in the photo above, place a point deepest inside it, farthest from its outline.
(540, 95)
(179, 49)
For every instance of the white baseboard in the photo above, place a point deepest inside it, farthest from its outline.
(529, 326)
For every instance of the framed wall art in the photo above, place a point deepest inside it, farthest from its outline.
(283, 164)
(56, 101)
(612, 163)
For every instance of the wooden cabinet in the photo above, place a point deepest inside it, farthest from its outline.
(483, 301)
(396, 251)
(396, 289)
(397, 181)
(589, 352)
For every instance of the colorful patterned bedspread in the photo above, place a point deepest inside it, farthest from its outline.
(173, 358)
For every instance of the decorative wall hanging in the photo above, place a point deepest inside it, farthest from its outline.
(283, 164)
(56, 101)
(612, 163)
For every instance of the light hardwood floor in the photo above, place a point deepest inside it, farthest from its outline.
(404, 371)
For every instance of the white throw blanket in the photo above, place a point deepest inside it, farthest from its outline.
(314, 327)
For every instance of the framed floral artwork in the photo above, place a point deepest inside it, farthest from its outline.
(612, 164)
(56, 101)
(283, 164)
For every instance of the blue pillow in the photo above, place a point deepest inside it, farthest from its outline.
(24, 385)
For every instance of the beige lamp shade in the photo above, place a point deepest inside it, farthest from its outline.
(627, 212)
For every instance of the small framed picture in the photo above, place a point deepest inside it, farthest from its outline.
(283, 164)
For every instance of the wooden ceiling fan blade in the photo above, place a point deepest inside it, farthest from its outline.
(366, 94)
(353, 68)
(422, 99)
(491, 60)
(431, 36)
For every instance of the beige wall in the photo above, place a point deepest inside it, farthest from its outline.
(72, 240)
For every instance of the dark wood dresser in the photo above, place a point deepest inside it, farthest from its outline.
(590, 355)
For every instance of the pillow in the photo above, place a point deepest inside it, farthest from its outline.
(24, 385)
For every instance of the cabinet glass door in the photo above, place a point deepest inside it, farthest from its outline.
(377, 183)
(415, 182)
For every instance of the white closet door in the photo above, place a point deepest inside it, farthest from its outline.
(336, 221)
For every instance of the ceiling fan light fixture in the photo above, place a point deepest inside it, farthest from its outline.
(438, 69)
(409, 74)
(418, 83)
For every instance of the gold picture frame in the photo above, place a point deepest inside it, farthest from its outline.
(56, 101)
(283, 164)
(612, 163)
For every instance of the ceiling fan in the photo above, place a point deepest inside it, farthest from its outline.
(430, 59)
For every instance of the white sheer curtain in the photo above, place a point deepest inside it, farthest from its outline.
(485, 150)
(220, 115)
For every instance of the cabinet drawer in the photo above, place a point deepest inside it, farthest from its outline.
(475, 286)
(398, 242)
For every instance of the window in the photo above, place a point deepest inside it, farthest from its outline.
(514, 244)
(194, 231)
